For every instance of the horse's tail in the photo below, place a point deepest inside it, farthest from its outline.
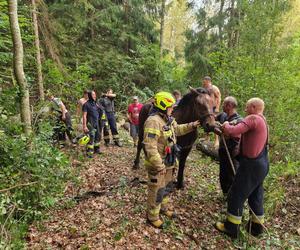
(144, 114)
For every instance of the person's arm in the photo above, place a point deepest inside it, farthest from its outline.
(63, 110)
(129, 117)
(111, 95)
(84, 122)
(79, 108)
(151, 135)
(182, 129)
(84, 118)
(217, 95)
(241, 128)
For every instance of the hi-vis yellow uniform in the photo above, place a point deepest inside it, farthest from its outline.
(158, 135)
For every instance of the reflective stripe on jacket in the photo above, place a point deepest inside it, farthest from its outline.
(157, 136)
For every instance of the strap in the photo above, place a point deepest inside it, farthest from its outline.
(267, 127)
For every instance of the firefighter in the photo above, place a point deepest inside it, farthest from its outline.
(108, 103)
(254, 167)
(63, 124)
(90, 123)
(160, 132)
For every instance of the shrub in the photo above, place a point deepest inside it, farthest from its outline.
(32, 177)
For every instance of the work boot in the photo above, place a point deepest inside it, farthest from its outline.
(97, 151)
(156, 223)
(169, 213)
(253, 228)
(118, 143)
(228, 228)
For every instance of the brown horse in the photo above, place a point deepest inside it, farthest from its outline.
(195, 105)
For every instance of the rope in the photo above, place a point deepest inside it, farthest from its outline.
(228, 154)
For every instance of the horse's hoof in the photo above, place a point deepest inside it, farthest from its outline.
(180, 185)
(136, 166)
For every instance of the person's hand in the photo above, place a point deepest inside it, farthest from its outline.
(224, 124)
(63, 117)
(85, 129)
(196, 124)
(223, 128)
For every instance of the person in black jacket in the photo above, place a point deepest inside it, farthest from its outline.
(91, 113)
(107, 101)
(226, 173)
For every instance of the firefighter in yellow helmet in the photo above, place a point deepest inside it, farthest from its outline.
(160, 131)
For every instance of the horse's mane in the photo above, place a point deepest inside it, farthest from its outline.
(187, 98)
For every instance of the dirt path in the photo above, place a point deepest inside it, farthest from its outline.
(116, 220)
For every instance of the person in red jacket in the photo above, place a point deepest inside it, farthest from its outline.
(254, 167)
(133, 117)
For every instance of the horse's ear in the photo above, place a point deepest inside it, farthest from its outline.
(193, 90)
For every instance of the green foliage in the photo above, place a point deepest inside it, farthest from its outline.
(110, 44)
(254, 63)
(32, 178)
(174, 75)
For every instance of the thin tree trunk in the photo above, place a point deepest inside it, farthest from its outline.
(162, 26)
(38, 52)
(221, 23)
(232, 28)
(126, 11)
(46, 31)
(18, 65)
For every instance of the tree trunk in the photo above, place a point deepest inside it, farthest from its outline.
(162, 26)
(18, 65)
(221, 22)
(38, 52)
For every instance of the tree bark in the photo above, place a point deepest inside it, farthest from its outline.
(38, 52)
(221, 23)
(162, 26)
(18, 65)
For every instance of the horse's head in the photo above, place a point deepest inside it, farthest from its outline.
(203, 108)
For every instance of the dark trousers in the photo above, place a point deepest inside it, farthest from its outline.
(248, 184)
(63, 127)
(94, 143)
(103, 125)
(111, 120)
(226, 173)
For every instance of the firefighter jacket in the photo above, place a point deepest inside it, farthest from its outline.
(159, 135)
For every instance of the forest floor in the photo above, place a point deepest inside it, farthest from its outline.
(115, 219)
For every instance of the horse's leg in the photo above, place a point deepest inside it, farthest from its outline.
(182, 159)
(138, 153)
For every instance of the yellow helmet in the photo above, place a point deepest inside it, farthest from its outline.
(163, 100)
(84, 140)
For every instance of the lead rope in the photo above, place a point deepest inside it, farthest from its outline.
(234, 173)
(228, 154)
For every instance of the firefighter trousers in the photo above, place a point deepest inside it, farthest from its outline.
(159, 188)
(94, 144)
(111, 120)
(248, 184)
